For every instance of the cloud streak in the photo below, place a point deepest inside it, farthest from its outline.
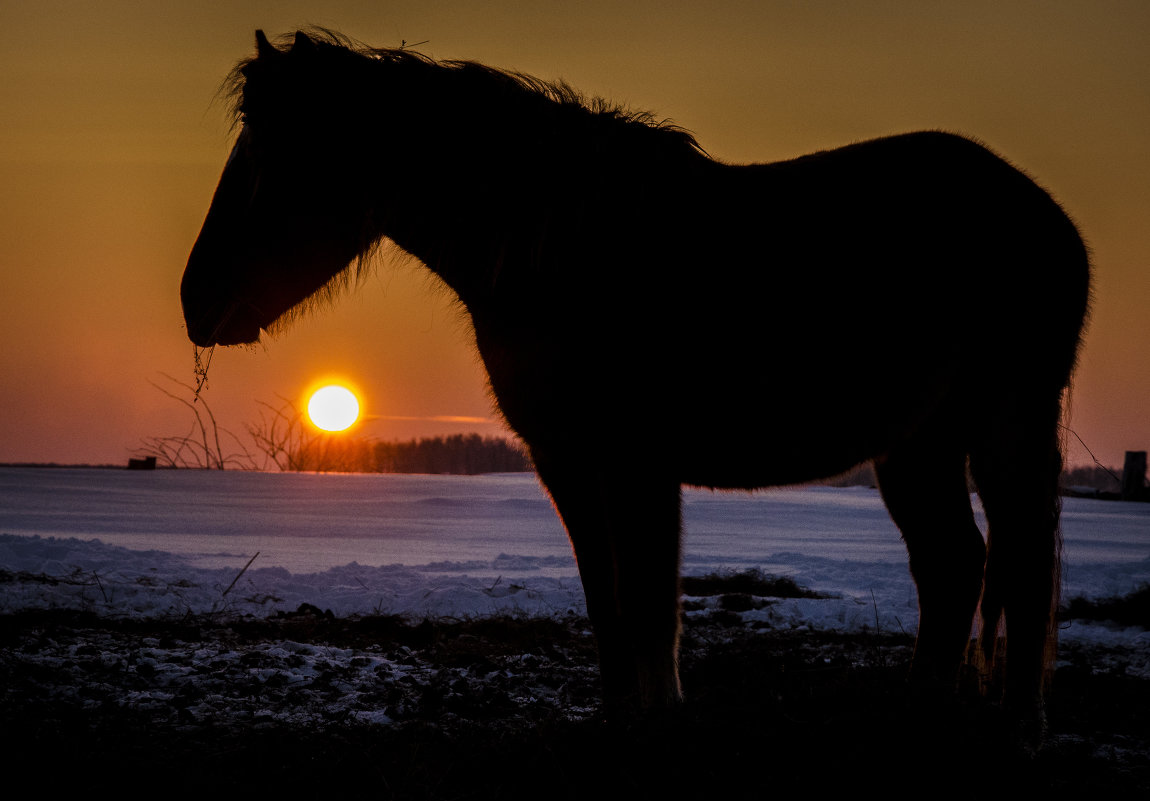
(441, 418)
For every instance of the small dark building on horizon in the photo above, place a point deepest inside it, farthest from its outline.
(1134, 477)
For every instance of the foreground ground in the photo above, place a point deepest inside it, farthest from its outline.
(307, 705)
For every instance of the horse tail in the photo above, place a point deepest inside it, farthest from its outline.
(989, 655)
(1016, 470)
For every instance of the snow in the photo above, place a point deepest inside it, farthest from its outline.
(160, 546)
(173, 542)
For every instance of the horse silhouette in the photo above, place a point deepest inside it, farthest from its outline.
(650, 317)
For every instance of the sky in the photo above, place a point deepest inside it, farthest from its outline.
(113, 140)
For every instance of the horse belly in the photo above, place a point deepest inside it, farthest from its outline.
(797, 422)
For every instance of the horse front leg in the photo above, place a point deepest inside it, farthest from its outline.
(625, 532)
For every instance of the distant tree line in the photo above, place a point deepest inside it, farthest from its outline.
(1103, 480)
(458, 454)
(461, 454)
(1095, 477)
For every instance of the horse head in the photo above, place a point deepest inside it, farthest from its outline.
(287, 217)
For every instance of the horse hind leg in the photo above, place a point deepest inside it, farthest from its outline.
(923, 484)
(1016, 465)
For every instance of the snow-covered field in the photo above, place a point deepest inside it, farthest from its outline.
(168, 543)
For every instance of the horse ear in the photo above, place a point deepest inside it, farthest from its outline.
(302, 43)
(264, 48)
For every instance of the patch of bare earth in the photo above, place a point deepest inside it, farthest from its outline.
(308, 705)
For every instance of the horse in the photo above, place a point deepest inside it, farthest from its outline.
(650, 317)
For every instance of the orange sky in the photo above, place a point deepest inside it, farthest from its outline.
(111, 145)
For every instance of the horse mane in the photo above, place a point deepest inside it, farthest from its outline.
(558, 95)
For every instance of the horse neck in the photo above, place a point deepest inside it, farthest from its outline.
(481, 217)
(461, 252)
(494, 195)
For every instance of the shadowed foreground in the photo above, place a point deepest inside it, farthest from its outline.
(508, 709)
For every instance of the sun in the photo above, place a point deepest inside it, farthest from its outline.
(333, 408)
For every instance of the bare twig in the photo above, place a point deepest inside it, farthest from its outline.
(238, 575)
(202, 446)
(100, 585)
(1092, 456)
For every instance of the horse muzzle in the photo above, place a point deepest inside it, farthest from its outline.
(220, 322)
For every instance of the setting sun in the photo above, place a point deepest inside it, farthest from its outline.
(333, 408)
